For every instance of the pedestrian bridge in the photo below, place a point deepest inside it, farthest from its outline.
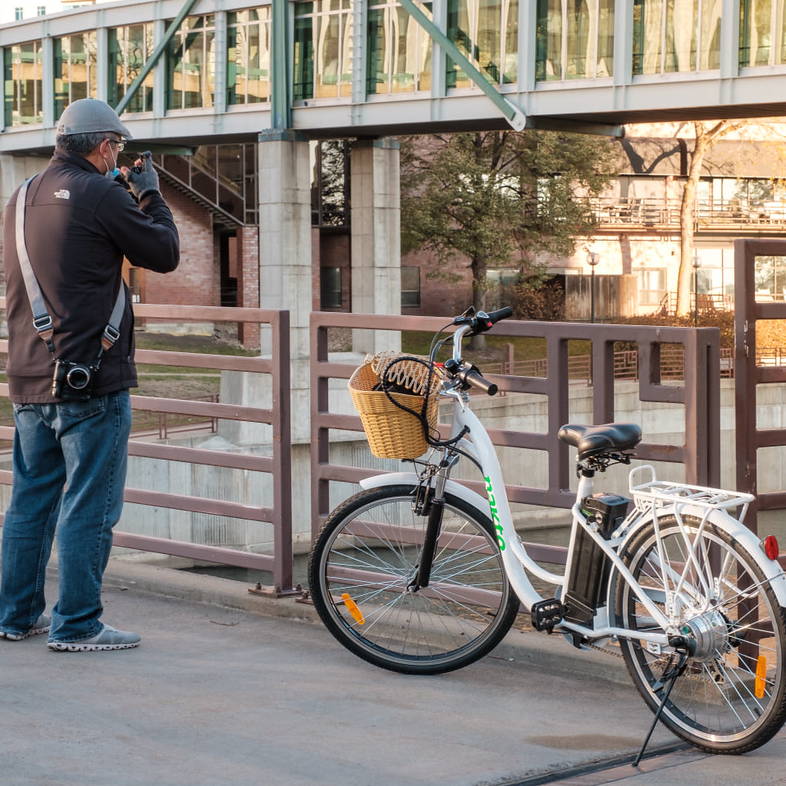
(225, 70)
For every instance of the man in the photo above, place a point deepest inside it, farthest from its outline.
(70, 451)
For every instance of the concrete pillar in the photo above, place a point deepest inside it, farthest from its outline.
(376, 238)
(285, 254)
(15, 169)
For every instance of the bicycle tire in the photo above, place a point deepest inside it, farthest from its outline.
(714, 705)
(467, 609)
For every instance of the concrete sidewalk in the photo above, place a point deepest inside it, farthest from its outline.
(220, 695)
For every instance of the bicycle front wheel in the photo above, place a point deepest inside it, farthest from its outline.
(732, 696)
(365, 560)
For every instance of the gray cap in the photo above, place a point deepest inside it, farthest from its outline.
(90, 116)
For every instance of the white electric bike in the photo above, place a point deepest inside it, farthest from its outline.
(419, 574)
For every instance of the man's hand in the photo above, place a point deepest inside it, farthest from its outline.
(142, 178)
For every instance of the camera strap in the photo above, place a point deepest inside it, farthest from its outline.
(42, 321)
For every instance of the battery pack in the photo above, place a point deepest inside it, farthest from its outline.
(589, 567)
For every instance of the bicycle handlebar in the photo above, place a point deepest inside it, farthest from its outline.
(469, 376)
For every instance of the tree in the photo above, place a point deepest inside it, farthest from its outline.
(706, 135)
(501, 198)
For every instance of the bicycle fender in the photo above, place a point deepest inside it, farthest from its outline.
(410, 478)
(740, 533)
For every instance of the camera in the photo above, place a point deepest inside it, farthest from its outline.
(73, 381)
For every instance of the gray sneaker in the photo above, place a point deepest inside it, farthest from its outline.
(106, 639)
(41, 626)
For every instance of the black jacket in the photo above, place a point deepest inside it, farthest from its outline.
(78, 227)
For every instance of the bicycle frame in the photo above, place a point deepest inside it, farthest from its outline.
(514, 555)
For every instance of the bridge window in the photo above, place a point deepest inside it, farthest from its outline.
(487, 32)
(23, 84)
(671, 36)
(191, 64)
(75, 69)
(129, 49)
(248, 66)
(399, 50)
(762, 40)
(575, 40)
(323, 49)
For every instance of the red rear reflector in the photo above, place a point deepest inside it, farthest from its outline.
(771, 548)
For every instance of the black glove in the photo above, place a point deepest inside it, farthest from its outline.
(142, 178)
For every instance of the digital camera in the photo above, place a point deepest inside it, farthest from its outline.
(73, 381)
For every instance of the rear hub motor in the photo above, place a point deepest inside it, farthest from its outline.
(710, 632)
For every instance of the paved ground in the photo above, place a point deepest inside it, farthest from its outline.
(221, 695)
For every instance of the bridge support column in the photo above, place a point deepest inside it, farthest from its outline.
(285, 277)
(376, 238)
(15, 169)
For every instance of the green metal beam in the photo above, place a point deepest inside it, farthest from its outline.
(514, 116)
(154, 58)
(280, 101)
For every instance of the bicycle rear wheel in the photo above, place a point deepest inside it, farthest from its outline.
(364, 561)
(732, 697)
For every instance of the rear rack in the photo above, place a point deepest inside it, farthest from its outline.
(660, 493)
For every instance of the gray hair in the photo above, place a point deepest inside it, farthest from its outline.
(79, 143)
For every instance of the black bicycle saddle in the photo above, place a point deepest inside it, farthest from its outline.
(595, 440)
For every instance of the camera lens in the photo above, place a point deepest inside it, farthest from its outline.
(78, 377)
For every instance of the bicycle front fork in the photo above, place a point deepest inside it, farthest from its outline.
(436, 507)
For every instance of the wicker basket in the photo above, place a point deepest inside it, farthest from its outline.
(391, 432)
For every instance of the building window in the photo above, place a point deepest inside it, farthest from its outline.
(486, 31)
(652, 286)
(191, 64)
(714, 279)
(498, 285)
(399, 50)
(19, 13)
(129, 49)
(670, 37)
(762, 37)
(75, 69)
(330, 287)
(410, 286)
(323, 49)
(770, 278)
(248, 56)
(135, 284)
(41, 10)
(23, 84)
(574, 40)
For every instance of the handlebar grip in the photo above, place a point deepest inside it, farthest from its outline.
(500, 313)
(480, 382)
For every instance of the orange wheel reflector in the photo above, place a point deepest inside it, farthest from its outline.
(771, 548)
(761, 673)
(353, 609)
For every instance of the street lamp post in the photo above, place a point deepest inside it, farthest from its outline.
(592, 261)
(696, 267)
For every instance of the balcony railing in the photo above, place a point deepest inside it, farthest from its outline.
(656, 212)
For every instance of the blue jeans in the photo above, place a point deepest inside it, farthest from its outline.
(69, 474)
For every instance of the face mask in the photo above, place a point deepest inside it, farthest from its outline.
(111, 169)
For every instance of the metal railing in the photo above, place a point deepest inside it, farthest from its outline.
(626, 364)
(699, 393)
(662, 212)
(278, 465)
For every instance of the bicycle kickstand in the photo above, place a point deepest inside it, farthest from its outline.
(682, 648)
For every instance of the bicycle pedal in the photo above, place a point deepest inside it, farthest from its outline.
(546, 614)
